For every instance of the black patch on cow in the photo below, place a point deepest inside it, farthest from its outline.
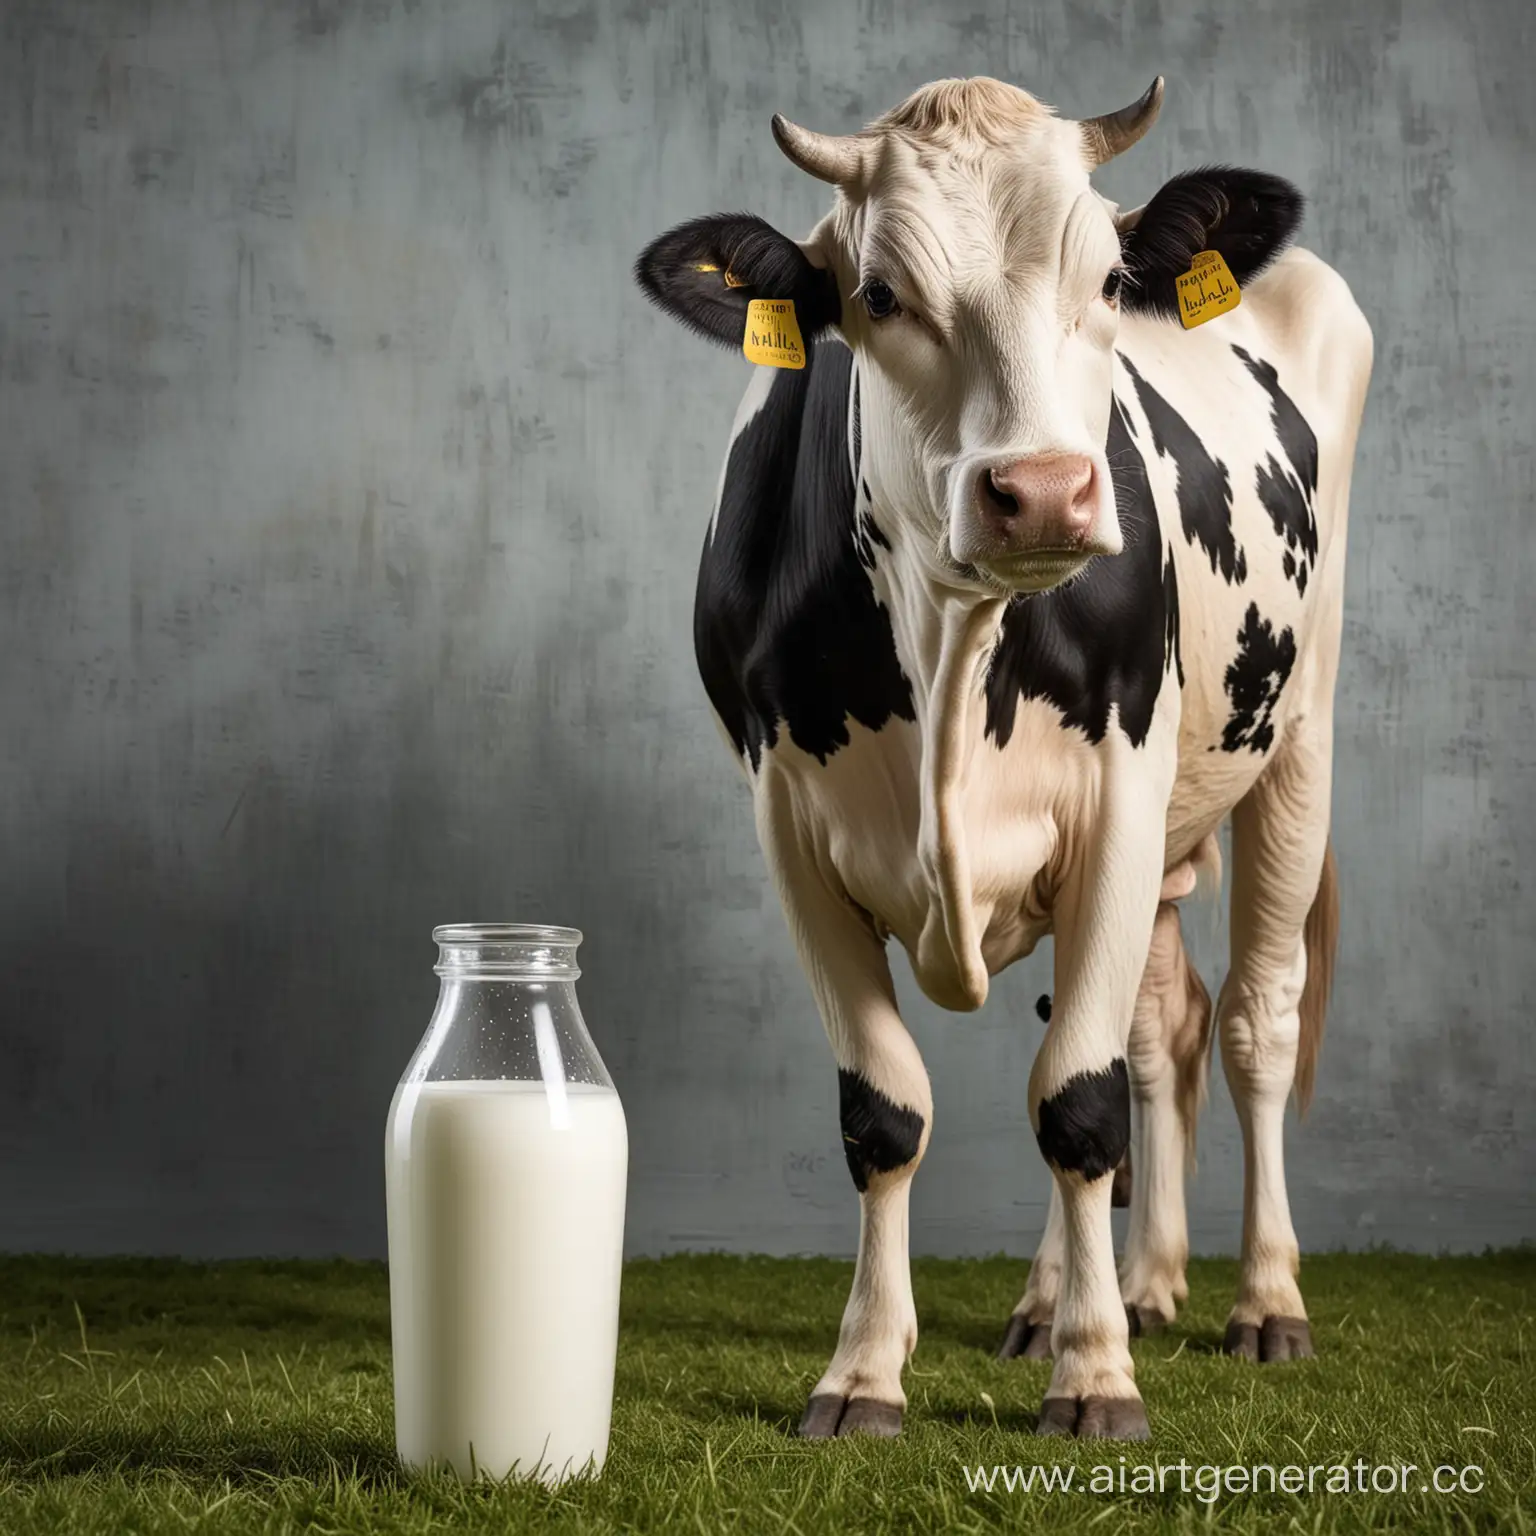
(1043, 1007)
(786, 625)
(1288, 493)
(1101, 639)
(867, 533)
(1248, 217)
(1173, 647)
(766, 264)
(1205, 491)
(1254, 682)
(878, 1134)
(1086, 1126)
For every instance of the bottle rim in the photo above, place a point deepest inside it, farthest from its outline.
(506, 951)
(506, 933)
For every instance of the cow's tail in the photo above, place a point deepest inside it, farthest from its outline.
(1321, 936)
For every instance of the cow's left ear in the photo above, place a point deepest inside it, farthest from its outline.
(1248, 217)
(706, 272)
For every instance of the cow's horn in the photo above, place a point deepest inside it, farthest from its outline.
(823, 155)
(1105, 137)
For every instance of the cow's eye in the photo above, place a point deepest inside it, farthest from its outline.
(1112, 284)
(879, 300)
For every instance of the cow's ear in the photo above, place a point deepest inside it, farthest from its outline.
(705, 273)
(1248, 217)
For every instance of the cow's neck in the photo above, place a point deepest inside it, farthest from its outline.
(945, 640)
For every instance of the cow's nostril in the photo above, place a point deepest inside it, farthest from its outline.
(994, 499)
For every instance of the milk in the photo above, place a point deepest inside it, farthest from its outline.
(506, 1222)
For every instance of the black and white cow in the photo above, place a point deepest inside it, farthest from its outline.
(1011, 595)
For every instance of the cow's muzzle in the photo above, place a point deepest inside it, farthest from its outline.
(1036, 521)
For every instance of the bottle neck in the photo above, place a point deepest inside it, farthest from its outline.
(507, 1010)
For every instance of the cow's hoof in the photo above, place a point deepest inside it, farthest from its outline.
(828, 1415)
(1094, 1418)
(1143, 1322)
(1025, 1339)
(1279, 1338)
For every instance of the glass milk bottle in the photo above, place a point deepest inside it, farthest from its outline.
(505, 1161)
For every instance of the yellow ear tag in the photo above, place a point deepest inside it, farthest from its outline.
(773, 334)
(1208, 289)
(705, 266)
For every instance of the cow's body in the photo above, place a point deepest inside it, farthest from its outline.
(1010, 597)
(1216, 451)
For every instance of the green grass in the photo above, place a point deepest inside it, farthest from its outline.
(141, 1396)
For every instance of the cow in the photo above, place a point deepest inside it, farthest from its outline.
(1015, 590)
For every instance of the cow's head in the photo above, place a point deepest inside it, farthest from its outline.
(979, 279)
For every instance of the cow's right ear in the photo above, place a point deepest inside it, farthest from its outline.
(705, 273)
(1248, 217)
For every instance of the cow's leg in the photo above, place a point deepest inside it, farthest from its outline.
(1169, 1041)
(860, 1390)
(1028, 1334)
(1079, 1090)
(1279, 842)
(885, 1109)
(1167, 1056)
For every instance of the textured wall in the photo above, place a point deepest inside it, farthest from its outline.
(350, 499)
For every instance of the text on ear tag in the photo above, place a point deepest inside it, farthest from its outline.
(1208, 289)
(773, 334)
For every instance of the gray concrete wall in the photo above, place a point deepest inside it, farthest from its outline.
(350, 500)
